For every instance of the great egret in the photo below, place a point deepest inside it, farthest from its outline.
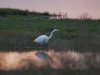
(43, 39)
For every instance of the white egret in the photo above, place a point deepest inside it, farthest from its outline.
(43, 39)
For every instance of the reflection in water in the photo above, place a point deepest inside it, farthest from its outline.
(56, 60)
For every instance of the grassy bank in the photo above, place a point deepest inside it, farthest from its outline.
(18, 32)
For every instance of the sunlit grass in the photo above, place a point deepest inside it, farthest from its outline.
(66, 60)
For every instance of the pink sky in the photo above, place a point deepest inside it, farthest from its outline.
(73, 7)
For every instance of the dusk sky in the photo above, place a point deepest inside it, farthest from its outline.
(74, 8)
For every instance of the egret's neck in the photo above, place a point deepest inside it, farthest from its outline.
(51, 34)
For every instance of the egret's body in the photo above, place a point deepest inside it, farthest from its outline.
(43, 39)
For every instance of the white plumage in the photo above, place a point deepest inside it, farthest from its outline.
(43, 39)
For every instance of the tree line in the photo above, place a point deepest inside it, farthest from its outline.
(10, 11)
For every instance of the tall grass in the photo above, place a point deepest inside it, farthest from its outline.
(18, 32)
(69, 60)
(58, 63)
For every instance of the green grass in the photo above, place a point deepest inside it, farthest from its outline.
(31, 24)
(18, 32)
(68, 28)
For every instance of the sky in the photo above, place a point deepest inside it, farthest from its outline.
(74, 8)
